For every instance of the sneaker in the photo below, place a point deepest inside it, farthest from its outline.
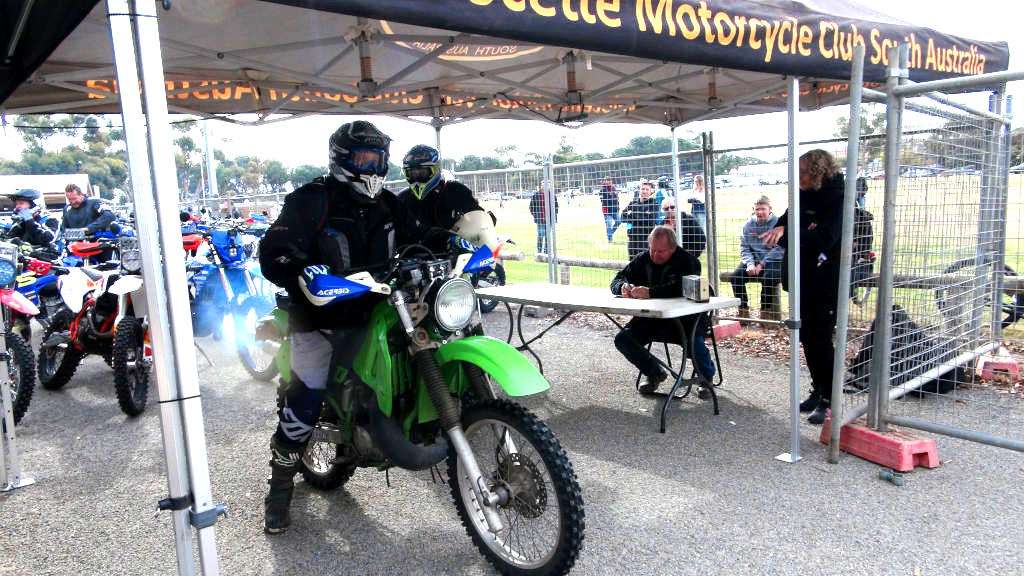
(811, 403)
(818, 416)
(653, 382)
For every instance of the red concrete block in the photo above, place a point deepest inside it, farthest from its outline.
(726, 329)
(896, 449)
(992, 367)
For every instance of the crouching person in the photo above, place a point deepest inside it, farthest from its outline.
(658, 273)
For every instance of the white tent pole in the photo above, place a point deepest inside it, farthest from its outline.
(170, 328)
(793, 257)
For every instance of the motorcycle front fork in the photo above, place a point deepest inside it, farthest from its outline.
(448, 413)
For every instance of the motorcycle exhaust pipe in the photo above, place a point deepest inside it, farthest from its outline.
(388, 436)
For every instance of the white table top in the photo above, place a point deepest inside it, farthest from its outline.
(584, 299)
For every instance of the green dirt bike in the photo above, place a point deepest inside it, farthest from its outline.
(423, 395)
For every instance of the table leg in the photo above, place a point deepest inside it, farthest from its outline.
(511, 322)
(688, 346)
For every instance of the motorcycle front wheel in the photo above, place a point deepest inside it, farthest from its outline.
(541, 507)
(494, 277)
(21, 372)
(58, 358)
(256, 350)
(131, 369)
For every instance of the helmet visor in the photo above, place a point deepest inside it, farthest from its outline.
(368, 160)
(419, 174)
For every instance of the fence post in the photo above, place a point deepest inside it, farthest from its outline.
(846, 256)
(678, 202)
(999, 241)
(708, 152)
(550, 220)
(880, 357)
(793, 255)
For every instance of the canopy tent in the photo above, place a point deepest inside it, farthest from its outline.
(647, 61)
(573, 62)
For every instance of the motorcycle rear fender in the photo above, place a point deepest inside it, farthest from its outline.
(510, 369)
(18, 302)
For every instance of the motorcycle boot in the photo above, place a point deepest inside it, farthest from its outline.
(298, 410)
(284, 464)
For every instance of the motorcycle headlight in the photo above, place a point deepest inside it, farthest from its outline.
(8, 263)
(131, 261)
(131, 256)
(454, 305)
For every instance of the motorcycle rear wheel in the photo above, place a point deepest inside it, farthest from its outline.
(320, 467)
(131, 370)
(22, 373)
(518, 454)
(56, 365)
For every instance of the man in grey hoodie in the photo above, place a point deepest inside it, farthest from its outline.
(759, 263)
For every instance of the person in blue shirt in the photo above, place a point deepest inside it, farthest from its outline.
(759, 263)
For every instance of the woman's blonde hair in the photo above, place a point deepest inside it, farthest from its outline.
(819, 166)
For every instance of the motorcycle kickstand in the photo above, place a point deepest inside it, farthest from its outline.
(208, 360)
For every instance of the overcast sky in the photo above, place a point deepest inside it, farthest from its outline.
(304, 141)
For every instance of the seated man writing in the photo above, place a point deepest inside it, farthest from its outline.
(658, 273)
(759, 263)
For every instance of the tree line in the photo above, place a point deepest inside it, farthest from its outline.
(91, 144)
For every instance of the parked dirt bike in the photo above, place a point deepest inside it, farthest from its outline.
(36, 281)
(423, 395)
(105, 315)
(240, 292)
(494, 276)
(18, 357)
(85, 248)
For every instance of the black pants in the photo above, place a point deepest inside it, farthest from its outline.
(632, 341)
(818, 324)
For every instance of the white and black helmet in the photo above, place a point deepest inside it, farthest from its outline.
(359, 155)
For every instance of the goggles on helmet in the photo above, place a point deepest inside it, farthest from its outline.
(367, 160)
(420, 174)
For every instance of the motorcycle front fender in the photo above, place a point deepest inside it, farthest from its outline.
(506, 365)
(18, 302)
(126, 285)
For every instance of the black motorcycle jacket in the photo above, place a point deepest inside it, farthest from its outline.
(429, 218)
(327, 222)
(92, 215)
(37, 232)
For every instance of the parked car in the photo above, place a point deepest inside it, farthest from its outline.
(1017, 169)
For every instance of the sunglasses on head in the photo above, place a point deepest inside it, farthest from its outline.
(669, 209)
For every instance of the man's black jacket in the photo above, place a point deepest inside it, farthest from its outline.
(641, 216)
(537, 207)
(328, 222)
(664, 280)
(91, 215)
(821, 232)
(427, 218)
(35, 232)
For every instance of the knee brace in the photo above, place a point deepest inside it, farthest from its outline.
(299, 411)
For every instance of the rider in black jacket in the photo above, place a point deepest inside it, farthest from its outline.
(31, 225)
(83, 212)
(435, 206)
(346, 221)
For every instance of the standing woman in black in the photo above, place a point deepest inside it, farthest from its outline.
(821, 229)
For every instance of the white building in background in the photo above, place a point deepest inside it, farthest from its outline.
(50, 185)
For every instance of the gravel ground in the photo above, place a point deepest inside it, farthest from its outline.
(708, 497)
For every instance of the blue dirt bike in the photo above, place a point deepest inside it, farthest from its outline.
(225, 283)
